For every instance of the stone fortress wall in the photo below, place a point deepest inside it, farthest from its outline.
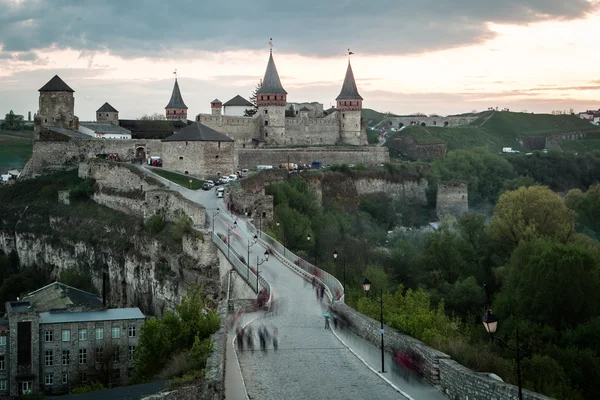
(452, 199)
(250, 158)
(240, 129)
(408, 147)
(397, 122)
(303, 130)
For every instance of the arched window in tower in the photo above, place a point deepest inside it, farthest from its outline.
(268, 97)
(266, 111)
(275, 97)
(266, 123)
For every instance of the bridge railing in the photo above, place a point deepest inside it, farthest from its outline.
(246, 273)
(332, 285)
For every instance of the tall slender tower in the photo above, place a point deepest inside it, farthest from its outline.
(176, 109)
(271, 99)
(349, 105)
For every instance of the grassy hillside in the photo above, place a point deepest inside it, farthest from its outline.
(500, 129)
(374, 117)
(15, 149)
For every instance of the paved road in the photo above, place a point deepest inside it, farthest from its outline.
(134, 392)
(311, 362)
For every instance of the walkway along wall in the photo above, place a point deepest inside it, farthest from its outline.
(455, 380)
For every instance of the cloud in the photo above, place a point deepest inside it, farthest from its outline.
(23, 56)
(154, 28)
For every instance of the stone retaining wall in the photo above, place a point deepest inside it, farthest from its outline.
(456, 381)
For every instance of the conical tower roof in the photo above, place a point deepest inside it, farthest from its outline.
(56, 85)
(349, 89)
(271, 83)
(176, 99)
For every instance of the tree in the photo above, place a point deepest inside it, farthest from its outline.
(153, 117)
(253, 99)
(13, 121)
(528, 213)
(289, 112)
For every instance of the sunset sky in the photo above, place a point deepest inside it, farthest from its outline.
(431, 56)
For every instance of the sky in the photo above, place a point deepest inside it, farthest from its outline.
(429, 56)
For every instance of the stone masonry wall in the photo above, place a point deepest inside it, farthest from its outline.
(452, 199)
(256, 182)
(250, 158)
(410, 192)
(52, 156)
(240, 129)
(409, 148)
(301, 130)
(455, 380)
(199, 158)
(548, 141)
(417, 120)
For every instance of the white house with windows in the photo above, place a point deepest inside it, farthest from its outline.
(104, 131)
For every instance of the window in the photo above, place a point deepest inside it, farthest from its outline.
(266, 123)
(131, 331)
(82, 356)
(49, 358)
(343, 115)
(3, 385)
(217, 156)
(115, 355)
(2, 340)
(274, 97)
(46, 120)
(268, 97)
(107, 115)
(49, 379)
(266, 134)
(99, 333)
(219, 144)
(65, 378)
(116, 333)
(66, 335)
(83, 334)
(49, 336)
(66, 357)
(266, 111)
(131, 352)
(26, 387)
(181, 158)
(99, 354)
(2, 363)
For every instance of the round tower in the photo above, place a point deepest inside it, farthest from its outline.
(271, 100)
(176, 109)
(216, 107)
(349, 106)
(107, 114)
(57, 106)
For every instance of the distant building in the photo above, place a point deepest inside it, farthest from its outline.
(236, 106)
(107, 114)
(57, 106)
(588, 115)
(104, 130)
(200, 151)
(58, 337)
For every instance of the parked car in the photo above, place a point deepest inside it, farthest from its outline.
(225, 179)
(233, 177)
(211, 183)
(244, 172)
(220, 192)
(206, 186)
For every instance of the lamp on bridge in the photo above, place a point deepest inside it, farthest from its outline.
(314, 248)
(250, 244)
(490, 323)
(335, 256)
(366, 287)
(229, 229)
(284, 241)
(259, 263)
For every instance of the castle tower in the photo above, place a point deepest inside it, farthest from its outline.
(271, 99)
(107, 114)
(176, 109)
(349, 105)
(215, 107)
(57, 106)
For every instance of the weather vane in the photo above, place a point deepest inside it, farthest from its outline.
(349, 54)
(175, 72)
(271, 43)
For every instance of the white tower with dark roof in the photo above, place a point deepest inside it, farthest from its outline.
(349, 105)
(271, 99)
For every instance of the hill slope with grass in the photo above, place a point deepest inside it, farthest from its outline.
(495, 130)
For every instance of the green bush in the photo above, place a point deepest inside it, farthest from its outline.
(156, 223)
(188, 379)
(77, 278)
(82, 190)
(92, 387)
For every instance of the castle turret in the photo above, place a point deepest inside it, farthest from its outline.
(107, 114)
(176, 109)
(216, 106)
(271, 99)
(57, 106)
(349, 105)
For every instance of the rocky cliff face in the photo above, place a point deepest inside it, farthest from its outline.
(146, 273)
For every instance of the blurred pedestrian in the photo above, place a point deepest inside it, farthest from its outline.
(250, 339)
(240, 339)
(275, 338)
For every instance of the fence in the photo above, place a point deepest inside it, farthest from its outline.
(246, 273)
(306, 269)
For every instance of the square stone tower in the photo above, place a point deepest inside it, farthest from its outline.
(107, 114)
(57, 107)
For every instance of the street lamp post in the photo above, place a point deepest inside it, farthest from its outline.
(260, 220)
(259, 263)
(283, 227)
(335, 256)
(367, 287)
(229, 229)
(213, 218)
(314, 250)
(248, 259)
(490, 323)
